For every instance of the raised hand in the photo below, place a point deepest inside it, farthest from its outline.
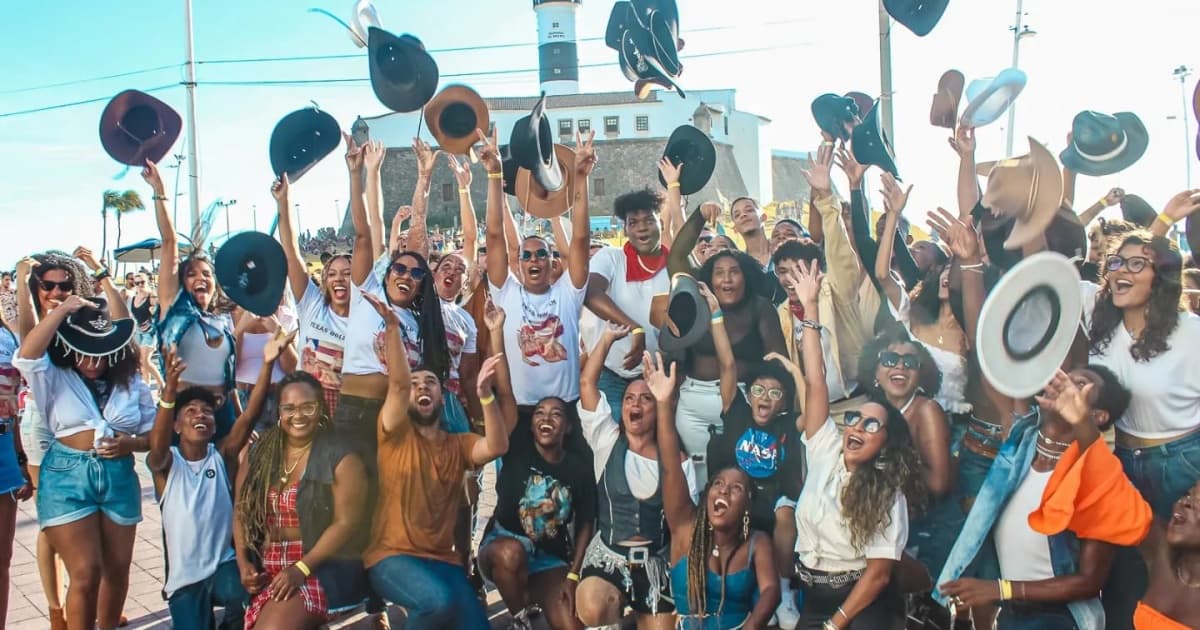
(614, 331)
(1066, 399)
(425, 157)
(175, 369)
(659, 378)
(963, 141)
(493, 317)
(1114, 197)
(806, 282)
(74, 302)
(489, 152)
(385, 311)
(279, 189)
(850, 166)
(485, 384)
(25, 267)
(354, 154)
(670, 171)
(151, 175)
(462, 171)
(960, 237)
(713, 305)
(585, 153)
(278, 341)
(894, 197)
(1183, 204)
(818, 176)
(373, 154)
(85, 254)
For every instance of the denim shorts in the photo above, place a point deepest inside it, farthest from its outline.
(1163, 473)
(73, 485)
(536, 559)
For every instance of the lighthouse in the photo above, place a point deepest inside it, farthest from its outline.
(558, 59)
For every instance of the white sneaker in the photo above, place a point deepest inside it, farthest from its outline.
(787, 614)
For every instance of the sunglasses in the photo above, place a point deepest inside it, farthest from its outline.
(139, 284)
(541, 254)
(707, 238)
(758, 391)
(416, 273)
(303, 409)
(1134, 263)
(67, 286)
(869, 424)
(889, 359)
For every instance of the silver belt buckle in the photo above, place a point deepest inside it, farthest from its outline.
(639, 555)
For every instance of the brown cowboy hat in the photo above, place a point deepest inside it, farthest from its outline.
(944, 111)
(1028, 188)
(454, 115)
(535, 200)
(136, 127)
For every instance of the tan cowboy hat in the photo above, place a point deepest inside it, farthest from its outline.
(1028, 189)
(454, 115)
(536, 200)
(944, 111)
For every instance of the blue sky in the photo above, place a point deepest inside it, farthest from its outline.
(1097, 54)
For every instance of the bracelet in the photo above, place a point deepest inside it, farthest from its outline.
(166, 405)
(1103, 203)
(159, 197)
(672, 185)
(638, 331)
(829, 625)
(463, 191)
(978, 265)
(100, 274)
(845, 617)
(808, 323)
(573, 576)
(973, 269)
(1162, 216)
(299, 564)
(487, 400)
(496, 175)
(718, 314)
(1005, 590)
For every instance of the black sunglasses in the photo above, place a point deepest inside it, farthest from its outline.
(400, 269)
(707, 238)
(1134, 263)
(67, 286)
(541, 254)
(869, 424)
(889, 359)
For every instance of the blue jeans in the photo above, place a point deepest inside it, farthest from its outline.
(436, 594)
(1049, 617)
(613, 385)
(1163, 473)
(192, 606)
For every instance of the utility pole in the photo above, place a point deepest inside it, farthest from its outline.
(175, 201)
(299, 230)
(885, 73)
(193, 143)
(225, 208)
(1182, 73)
(254, 215)
(1019, 31)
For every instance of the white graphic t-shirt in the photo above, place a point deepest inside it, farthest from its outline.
(541, 334)
(322, 338)
(366, 352)
(461, 338)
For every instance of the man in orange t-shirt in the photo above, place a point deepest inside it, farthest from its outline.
(411, 559)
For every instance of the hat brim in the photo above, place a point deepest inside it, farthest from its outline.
(986, 103)
(1023, 372)
(695, 151)
(688, 309)
(326, 134)
(871, 146)
(270, 264)
(451, 95)
(129, 150)
(831, 113)
(118, 337)
(541, 203)
(1046, 201)
(920, 21)
(944, 110)
(639, 58)
(1137, 139)
(406, 96)
(619, 20)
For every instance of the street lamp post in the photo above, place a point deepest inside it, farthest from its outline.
(299, 229)
(337, 219)
(225, 205)
(254, 215)
(1019, 32)
(1182, 73)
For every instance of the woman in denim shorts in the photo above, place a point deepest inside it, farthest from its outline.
(82, 369)
(14, 478)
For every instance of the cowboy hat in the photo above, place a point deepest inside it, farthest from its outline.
(871, 145)
(944, 111)
(832, 112)
(1066, 234)
(1028, 324)
(1028, 189)
(300, 140)
(638, 59)
(1102, 144)
(622, 18)
(919, 16)
(988, 99)
(508, 166)
(688, 309)
(694, 150)
(542, 202)
(1193, 235)
(403, 75)
(661, 19)
(363, 19)
(454, 115)
(532, 147)
(1137, 211)
(90, 332)
(136, 127)
(252, 270)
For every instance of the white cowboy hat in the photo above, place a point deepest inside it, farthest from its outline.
(1028, 324)
(361, 21)
(988, 99)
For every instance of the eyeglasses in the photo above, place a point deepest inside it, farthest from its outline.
(541, 254)
(303, 409)
(67, 286)
(416, 273)
(758, 391)
(889, 359)
(1133, 264)
(869, 424)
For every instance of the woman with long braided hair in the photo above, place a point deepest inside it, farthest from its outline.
(300, 503)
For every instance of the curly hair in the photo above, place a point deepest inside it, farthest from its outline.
(51, 260)
(702, 547)
(929, 375)
(1162, 310)
(636, 201)
(265, 461)
(435, 353)
(755, 281)
(868, 495)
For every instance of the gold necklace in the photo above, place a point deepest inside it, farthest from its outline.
(287, 470)
(1179, 576)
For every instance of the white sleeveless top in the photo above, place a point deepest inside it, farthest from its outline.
(952, 395)
(197, 518)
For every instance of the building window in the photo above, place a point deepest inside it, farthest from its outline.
(597, 187)
(564, 126)
(726, 121)
(447, 192)
(612, 124)
(554, 25)
(642, 123)
(585, 125)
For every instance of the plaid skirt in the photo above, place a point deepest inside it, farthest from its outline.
(277, 557)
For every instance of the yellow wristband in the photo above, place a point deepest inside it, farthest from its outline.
(1168, 221)
(638, 331)
(491, 398)
(498, 175)
(1005, 590)
(463, 191)
(672, 185)
(1103, 202)
(166, 405)
(573, 576)
(718, 320)
(299, 564)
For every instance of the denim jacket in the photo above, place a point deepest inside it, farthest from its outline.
(184, 314)
(1009, 469)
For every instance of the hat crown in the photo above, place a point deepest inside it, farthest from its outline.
(91, 320)
(1096, 133)
(141, 123)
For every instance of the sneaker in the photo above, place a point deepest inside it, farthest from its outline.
(787, 614)
(520, 621)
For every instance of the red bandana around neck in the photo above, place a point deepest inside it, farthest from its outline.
(797, 309)
(642, 267)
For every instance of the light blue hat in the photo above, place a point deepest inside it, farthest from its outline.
(989, 98)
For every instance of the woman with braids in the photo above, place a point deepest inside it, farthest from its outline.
(301, 505)
(852, 517)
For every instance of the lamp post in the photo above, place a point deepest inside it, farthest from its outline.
(1019, 32)
(179, 158)
(1182, 73)
(225, 205)
(254, 215)
(299, 230)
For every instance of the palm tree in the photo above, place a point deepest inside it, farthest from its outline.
(120, 203)
(130, 202)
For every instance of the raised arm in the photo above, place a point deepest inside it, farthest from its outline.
(963, 144)
(725, 359)
(808, 279)
(589, 380)
(496, 426)
(1112, 198)
(117, 306)
(26, 312)
(159, 458)
(168, 268)
(894, 200)
(581, 229)
(418, 229)
(1069, 180)
(676, 497)
(243, 427)
(679, 258)
(466, 210)
(373, 154)
(497, 262)
(297, 270)
(512, 237)
(672, 211)
(493, 318)
(1181, 206)
(397, 232)
(393, 416)
(34, 345)
(361, 261)
(845, 273)
(960, 236)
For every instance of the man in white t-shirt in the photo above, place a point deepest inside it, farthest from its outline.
(623, 283)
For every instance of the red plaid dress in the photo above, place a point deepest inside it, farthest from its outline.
(280, 555)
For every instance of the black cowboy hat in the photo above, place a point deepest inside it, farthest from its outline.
(639, 59)
(832, 112)
(90, 331)
(1103, 144)
(919, 16)
(252, 270)
(454, 115)
(871, 145)
(688, 309)
(532, 147)
(509, 167)
(403, 75)
(136, 127)
(694, 150)
(622, 18)
(1193, 236)
(661, 19)
(301, 139)
(1138, 211)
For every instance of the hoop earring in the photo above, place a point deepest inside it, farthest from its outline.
(880, 463)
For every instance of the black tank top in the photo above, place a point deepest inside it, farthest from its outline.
(141, 314)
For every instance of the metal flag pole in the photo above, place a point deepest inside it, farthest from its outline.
(193, 144)
(885, 73)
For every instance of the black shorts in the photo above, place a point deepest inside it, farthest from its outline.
(637, 597)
